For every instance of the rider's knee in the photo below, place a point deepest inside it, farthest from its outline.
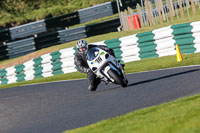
(92, 88)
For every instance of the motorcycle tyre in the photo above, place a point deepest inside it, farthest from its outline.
(117, 78)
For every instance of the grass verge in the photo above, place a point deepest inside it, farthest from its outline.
(132, 67)
(180, 116)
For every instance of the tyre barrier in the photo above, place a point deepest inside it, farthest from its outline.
(157, 43)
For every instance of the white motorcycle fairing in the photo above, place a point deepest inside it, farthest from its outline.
(102, 63)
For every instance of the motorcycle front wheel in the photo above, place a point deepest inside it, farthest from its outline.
(117, 78)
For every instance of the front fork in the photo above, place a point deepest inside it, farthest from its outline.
(107, 67)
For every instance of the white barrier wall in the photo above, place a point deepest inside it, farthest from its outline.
(156, 43)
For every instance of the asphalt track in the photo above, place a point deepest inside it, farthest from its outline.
(59, 106)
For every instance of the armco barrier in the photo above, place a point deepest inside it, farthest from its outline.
(63, 21)
(95, 12)
(21, 47)
(156, 43)
(46, 39)
(72, 34)
(103, 27)
(28, 29)
(60, 22)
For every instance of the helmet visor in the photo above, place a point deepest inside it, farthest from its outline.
(81, 49)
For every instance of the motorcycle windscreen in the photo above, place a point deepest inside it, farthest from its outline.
(92, 53)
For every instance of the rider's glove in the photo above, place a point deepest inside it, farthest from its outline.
(88, 70)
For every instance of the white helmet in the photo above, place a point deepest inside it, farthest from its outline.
(82, 46)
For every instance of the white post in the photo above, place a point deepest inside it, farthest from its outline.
(117, 1)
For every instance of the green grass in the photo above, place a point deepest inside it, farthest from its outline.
(162, 62)
(180, 116)
(132, 67)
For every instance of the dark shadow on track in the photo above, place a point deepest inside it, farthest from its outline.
(163, 77)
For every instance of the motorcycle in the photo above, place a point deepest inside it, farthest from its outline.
(106, 67)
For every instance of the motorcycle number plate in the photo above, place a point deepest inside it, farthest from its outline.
(98, 60)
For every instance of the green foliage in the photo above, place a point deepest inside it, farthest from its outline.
(16, 12)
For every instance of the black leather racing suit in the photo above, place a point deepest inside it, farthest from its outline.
(80, 61)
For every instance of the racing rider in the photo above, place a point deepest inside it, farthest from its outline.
(80, 61)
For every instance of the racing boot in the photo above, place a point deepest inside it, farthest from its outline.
(123, 65)
(105, 81)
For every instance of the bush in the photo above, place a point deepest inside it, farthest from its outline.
(17, 12)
